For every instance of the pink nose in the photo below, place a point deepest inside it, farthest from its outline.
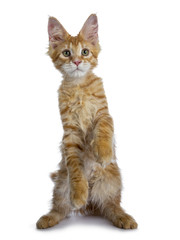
(77, 62)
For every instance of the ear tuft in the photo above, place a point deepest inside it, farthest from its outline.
(89, 30)
(56, 32)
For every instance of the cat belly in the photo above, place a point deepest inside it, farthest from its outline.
(104, 182)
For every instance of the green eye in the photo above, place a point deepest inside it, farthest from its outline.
(85, 52)
(66, 53)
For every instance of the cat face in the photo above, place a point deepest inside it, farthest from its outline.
(74, 56)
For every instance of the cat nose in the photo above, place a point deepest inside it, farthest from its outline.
(77, 62)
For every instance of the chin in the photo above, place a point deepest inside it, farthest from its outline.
(77, 74)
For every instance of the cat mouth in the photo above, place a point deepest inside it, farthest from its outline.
(77, 69)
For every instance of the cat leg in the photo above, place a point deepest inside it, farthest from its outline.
(103, 139)
(106, 193)
(113, 211)
(72, 148)
(49, 220)
(61, 206)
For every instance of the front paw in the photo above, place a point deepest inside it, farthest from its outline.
(79, 194)
(103, 152)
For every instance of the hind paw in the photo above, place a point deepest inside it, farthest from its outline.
(125, 222)
(46, 221)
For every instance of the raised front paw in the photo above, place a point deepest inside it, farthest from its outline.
(103, 151)
(79, 194)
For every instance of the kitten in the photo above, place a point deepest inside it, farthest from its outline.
(89, 179)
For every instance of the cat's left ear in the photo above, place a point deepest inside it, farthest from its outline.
(89, 30)
(56, 31)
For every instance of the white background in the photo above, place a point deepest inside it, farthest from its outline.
(140, 66)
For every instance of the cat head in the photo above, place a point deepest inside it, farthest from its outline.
(74, 56)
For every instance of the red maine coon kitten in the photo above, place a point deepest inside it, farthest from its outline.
(89, 179)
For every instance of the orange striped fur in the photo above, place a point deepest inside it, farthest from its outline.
(89, 179)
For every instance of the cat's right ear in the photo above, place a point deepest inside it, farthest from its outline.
(56, 32)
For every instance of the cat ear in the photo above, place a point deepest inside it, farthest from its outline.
(56, 32)
(89, 30)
